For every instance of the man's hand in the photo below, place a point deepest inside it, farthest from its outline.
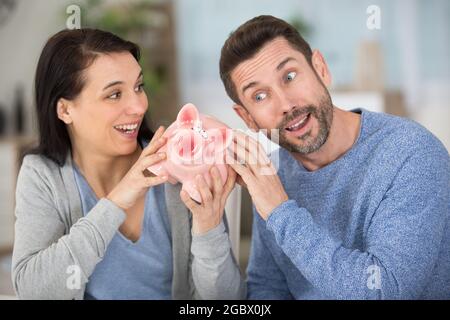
(257, 173)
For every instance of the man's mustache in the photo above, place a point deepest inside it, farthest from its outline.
(297, 113)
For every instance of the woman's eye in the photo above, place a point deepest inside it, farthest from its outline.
(115, 95)
(260, 96)
(291, 76)
(140, 87)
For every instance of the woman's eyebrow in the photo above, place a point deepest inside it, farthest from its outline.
(140, 75)
(112, 84)
(120, 82)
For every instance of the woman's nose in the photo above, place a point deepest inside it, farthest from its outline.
(137, 105)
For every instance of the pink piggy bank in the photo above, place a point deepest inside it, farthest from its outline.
(195, 142)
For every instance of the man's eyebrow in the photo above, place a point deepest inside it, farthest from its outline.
(279, 67)
(248, 86)
(282, 63)
(120, 82)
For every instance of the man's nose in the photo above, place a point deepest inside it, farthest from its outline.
(287, 102)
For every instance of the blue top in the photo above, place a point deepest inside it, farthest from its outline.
(374, 224)
(133, 270)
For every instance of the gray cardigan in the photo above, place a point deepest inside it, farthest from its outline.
(54, 243)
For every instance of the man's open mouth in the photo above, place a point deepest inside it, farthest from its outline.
(298, 123)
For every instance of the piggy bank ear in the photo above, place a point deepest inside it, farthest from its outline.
(188, 114)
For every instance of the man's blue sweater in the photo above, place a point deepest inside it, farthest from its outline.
(373, 224)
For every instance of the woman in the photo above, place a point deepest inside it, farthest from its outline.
(91, 223)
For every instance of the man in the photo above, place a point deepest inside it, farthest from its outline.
(359, 208)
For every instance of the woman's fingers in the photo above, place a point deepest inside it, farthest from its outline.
(156, 143)
(187, 200)
(150, 160)
(240, 181)
(229, 185)
(158, 134)
(231, 180)
(216, 181)
(204, 191)
(154, 181)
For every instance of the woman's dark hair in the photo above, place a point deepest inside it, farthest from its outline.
(59, 74)
(249, 38)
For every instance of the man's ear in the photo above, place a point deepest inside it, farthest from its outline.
(63, 110)
(246, 116)
(320, 66)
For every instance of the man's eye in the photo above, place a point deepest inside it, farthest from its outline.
(115, 95)
(291, 76)
(260, 96)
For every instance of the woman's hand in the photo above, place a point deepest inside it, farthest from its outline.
(134, 184)
(208, 214)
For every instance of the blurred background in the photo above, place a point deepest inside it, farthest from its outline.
(386, 56)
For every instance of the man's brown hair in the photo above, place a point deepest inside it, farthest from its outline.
(249, 38)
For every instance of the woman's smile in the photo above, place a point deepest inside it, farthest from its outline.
(128, 130)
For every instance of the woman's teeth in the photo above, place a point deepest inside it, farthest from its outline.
(298, 124)
(126, 127)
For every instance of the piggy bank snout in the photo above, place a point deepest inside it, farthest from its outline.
(185, 147)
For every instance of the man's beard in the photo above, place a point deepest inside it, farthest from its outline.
(323, 113)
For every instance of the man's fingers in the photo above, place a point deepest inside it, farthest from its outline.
(240, 169)
(259, 156)
(252, 145)
(242, 154)
(259, 163)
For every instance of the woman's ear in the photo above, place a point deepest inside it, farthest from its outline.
(320, 67)
(62, 110)
(246, 116)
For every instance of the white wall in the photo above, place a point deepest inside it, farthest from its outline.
(415, 39)
(21, 40)
(415, 36)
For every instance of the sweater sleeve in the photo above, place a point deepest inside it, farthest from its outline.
(215, 272)
(49, 262)
(265, 279)
(401, 244)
